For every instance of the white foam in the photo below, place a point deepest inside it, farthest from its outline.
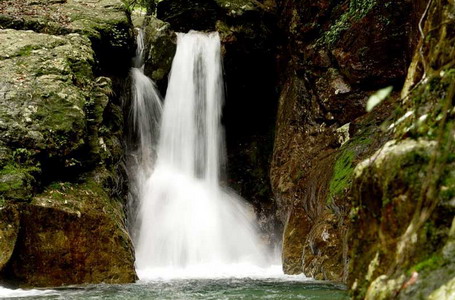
(218, 271)
(16, 293)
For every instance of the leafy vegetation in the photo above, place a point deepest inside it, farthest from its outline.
(148, 5)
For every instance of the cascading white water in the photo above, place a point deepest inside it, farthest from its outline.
(188, 225)
(145, 109)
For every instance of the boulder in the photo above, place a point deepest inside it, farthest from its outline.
(75, 234)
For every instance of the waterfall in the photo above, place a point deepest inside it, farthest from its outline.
(187, 224)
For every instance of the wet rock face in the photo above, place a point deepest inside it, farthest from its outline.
(61, 122)
(336, 56)
(374, 50)
(160, 46)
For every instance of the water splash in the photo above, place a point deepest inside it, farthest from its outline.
(188, 225)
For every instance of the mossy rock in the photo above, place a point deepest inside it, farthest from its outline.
(386, 190)
(17, 183)
(76, 234)
(42, 108)
(61, 17)
(160, 46)
(105, 22)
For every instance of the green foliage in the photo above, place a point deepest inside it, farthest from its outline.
(148, 5)
(22, 155)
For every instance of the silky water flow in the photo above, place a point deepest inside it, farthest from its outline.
(187, 224)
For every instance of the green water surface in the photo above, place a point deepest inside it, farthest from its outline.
(204, 289)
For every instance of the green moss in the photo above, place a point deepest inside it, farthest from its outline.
(343, 170)
(60, 186)
(61, 116)
(85, 196)
(16, 182)
(433, 262)
(342, 174)
(25, 51)
(22, 156)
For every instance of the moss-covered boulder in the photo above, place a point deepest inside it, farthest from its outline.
(45, 86)
(43, 109)
(397, 245)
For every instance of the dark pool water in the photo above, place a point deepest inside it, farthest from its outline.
(195, 289)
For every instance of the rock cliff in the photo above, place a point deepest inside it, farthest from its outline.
(61, 120)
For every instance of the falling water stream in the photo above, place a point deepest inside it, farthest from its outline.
(189, 226)
(194, 238)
